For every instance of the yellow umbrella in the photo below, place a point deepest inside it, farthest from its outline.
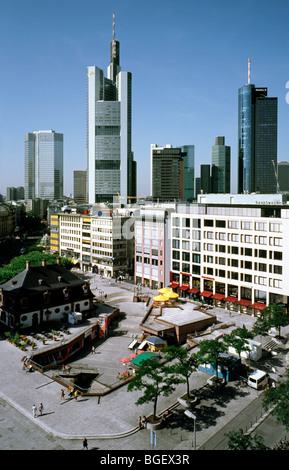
(164, 290)
(171, 295)
(160, 298)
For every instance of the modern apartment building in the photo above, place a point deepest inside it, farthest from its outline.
(110, 167)
(257, 140)
(232, 250)
(152, 245)
(43, 165)
(101, 240)
(221, 167)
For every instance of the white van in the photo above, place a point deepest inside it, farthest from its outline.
(258, 379)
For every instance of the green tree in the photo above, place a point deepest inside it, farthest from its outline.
(209, 352)
(155, 379)
(186, 362)
(278, 399)
(237, 440)
(276, 316)
(238, 339)
(18, 264)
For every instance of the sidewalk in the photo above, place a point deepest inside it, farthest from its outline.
(112, 420)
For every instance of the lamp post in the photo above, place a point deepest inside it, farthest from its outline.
(192, 416)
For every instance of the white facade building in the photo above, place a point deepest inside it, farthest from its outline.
(233, 250)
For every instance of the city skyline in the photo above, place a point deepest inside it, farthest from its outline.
(188, 62)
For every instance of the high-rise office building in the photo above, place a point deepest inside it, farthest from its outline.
(189, 172)
(79, 186)
(205, 179)
(172, 173)
(110, 167)
(257, 139)
(221, 167)
(283, 177)
(43, 165)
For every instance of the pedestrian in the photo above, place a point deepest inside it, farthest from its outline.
(140, 422)
(62, 394)
(144, 421)
(41, 409)
(93, 350)
(34, 409)
(84, 444)
(75, 395)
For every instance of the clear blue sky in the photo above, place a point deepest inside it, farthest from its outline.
(187, 58)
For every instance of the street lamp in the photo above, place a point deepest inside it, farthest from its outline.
(192, 416)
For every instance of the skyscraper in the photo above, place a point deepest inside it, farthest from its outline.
(172, 172)
(43, 165)
(79, 186)
(110, 166)
(221, 167)
(257, 139)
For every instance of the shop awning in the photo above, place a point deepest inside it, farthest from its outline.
(184, 287)
(258, 306)
(244, 302)
(206, 293)
(231, 299)
(193, 290)
(218, 296)
(174, 285)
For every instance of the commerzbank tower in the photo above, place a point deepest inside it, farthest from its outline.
(111, 170)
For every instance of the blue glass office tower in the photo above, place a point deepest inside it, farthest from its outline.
(257, 140)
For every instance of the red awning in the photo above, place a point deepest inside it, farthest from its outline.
(193, 290)
(206, 293)
(218, 296)
(231, 299)
(244, 302)
(258, 306)
(184, 287)
(174, 285)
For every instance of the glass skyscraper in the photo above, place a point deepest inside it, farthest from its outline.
(257, 140)
(110, 167)
(43, 165)
(221, 167)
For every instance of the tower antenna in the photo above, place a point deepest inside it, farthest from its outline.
(113, 26)
(249, 71)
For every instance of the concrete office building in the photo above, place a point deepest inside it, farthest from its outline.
(152, 245)
(43, 165)
(232, 250)
(98, 240)
(110, 168)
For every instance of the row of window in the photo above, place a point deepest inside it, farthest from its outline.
(233, 224)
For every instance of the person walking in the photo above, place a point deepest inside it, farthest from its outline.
(62, 394)
(40, 409)
(75, 395)
(84, 444)
(34, 409)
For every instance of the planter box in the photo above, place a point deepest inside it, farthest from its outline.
(188, 402)
(213, 381)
